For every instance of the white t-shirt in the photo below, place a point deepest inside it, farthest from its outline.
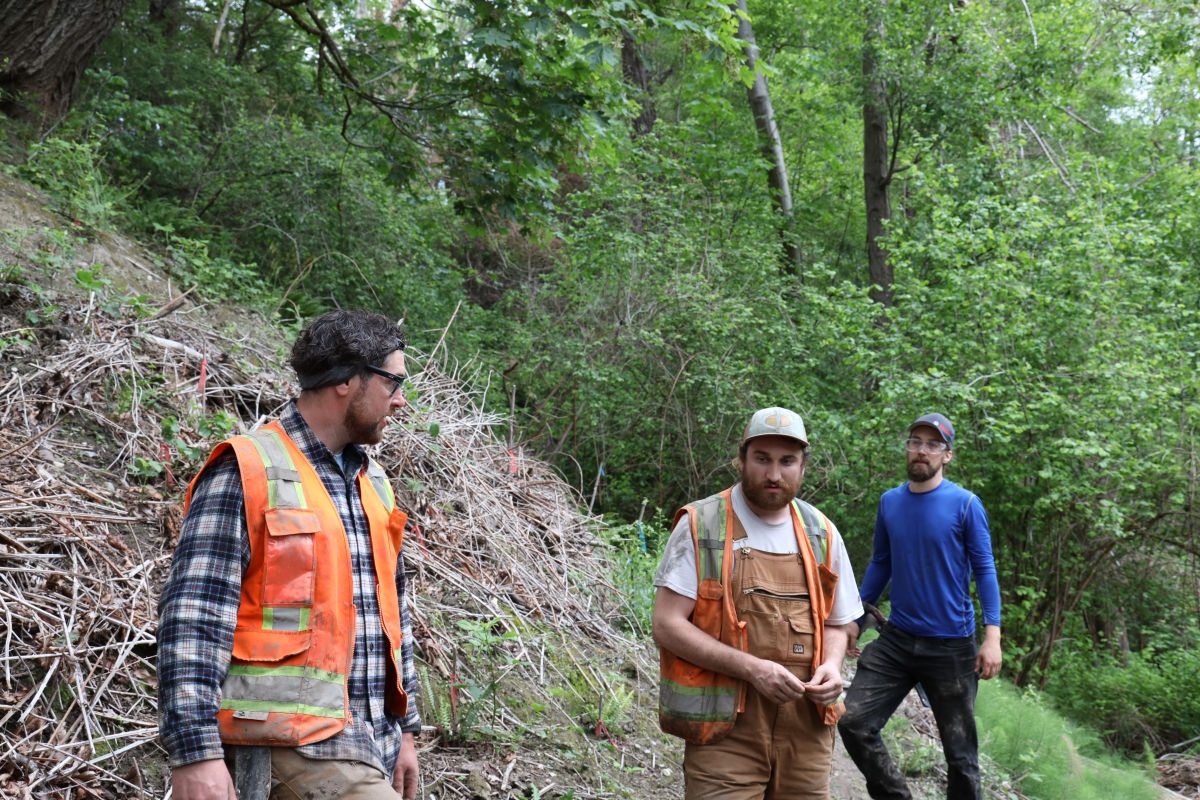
(677, 570)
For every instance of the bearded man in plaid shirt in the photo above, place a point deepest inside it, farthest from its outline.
(256, 621)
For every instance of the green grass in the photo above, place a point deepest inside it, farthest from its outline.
(1050, 758)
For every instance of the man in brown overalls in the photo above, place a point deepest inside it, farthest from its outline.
(740, 635)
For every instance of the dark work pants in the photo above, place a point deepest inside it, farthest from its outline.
(888, 669)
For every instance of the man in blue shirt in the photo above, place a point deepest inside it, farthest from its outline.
(931, 535)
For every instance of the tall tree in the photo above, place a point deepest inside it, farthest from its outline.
(769, 140)
(45, 45)
(876, 169)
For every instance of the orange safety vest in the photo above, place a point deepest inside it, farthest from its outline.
(294, 639)
(701, 705)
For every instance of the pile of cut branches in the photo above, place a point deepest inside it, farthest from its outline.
(105, 416)
(1180, 774)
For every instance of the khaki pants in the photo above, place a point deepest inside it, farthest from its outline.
(773, 753)
(294, 777)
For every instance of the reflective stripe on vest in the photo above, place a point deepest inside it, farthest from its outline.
(712, 521)
(383, 487)
(698, 703)
(283, 481)
(814, 529)
(285, 618)
(712, 550)
(281, 689)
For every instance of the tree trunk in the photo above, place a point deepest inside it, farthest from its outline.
(167, 14)
(769, 140)
(45, 45)
(634, 69)
(876, 171)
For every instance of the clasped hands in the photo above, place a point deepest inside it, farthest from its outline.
(777, 683)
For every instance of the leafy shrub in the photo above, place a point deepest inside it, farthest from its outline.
(218, 277)
(1153, 700)
(1050, 758)
(635, 553)
(70, 172)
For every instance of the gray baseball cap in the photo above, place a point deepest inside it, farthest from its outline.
(776, 422)
(940, 424)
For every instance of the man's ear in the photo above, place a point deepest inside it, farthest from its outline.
(343, 389)
(949, 457)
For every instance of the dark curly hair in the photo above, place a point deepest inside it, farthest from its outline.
(338, 345)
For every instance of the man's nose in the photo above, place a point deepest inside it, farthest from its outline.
(398, 400)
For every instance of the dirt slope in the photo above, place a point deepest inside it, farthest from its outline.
(114, 388)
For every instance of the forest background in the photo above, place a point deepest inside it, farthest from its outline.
(643, 219)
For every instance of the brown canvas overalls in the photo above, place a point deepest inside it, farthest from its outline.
(774, 752)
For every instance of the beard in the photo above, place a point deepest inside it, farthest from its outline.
(919, 473)
(362, 426)
(757, 493)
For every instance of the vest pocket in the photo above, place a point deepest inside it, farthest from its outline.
(251, 644)
(290, 557)
(707, 613)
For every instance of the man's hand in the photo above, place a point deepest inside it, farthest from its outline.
(852, 648)
(987, 663)
(404, 780)
(775, 682)
(826, 684)
(203, 780)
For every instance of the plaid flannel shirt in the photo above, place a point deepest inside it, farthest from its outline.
(198, 613)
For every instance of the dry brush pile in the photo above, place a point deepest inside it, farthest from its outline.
(109, 408)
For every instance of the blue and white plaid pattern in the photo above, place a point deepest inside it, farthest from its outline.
(198, 612)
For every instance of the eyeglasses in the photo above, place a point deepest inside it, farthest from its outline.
(931, 447)
(397, 380)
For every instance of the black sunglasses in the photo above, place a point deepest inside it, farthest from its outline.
(397, 380)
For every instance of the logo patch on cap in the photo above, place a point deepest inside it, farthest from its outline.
(778, 421)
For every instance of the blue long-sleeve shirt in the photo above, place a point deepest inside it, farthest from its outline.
(928, 545)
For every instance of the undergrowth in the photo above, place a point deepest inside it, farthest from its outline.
(634, 551)
(1150, 701)
(1050, 758)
